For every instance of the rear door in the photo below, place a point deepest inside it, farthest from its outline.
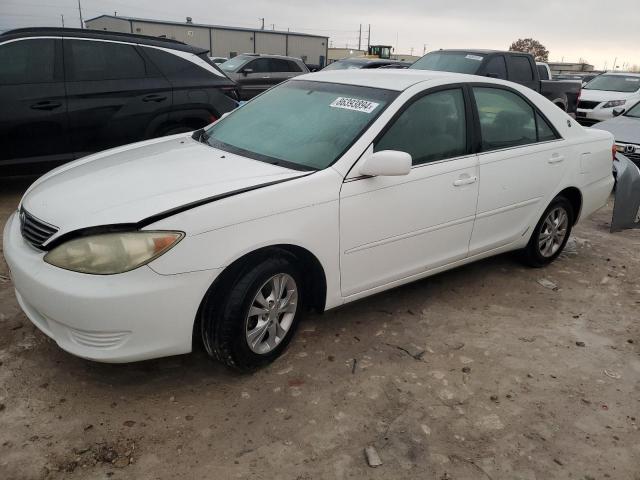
(522, 70)
(33, 106)
(115, 95)
(521, 162)
(495, 67)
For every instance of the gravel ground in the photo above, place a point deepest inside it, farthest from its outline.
(484, 372)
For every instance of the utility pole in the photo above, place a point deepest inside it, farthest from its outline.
(262, 19)
(412, 51)
(62, 17)
(360, 38)
(614, 64)
(80, 12)
(369, 38)
(424, 49)
(273, 26)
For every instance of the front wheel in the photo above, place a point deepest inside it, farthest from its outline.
(250, 324)
(551, 233)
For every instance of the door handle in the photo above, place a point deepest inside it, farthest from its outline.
(465, 181)
(154, 98)
(556, 158)
(46, 105)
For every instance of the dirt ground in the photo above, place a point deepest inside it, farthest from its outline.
(478, 373)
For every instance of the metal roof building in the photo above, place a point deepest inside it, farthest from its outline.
(222, 41)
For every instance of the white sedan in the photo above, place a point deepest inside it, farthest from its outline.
(328, 188)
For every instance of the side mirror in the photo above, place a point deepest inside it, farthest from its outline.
(386, 163)
(246, 71)
(618, 111)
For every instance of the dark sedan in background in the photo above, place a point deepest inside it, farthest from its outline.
(355, 63)
(254, 73)
(66, 93)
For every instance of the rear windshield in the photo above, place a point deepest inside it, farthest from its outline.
(614, 83)
(300, 124)
(460, 62)
(344, 65)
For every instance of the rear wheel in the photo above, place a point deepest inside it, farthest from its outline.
(250, 323)
(551, 233)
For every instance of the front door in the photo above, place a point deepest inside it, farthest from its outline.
(393, 228)
(33, 106)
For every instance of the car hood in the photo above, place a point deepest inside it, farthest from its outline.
(603, 96)
(133, 183)
(624, 129)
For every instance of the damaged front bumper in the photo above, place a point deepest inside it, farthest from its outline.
(626, 209)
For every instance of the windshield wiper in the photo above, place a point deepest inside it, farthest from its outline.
(200, 136)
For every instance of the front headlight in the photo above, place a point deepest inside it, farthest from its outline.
(614, 103)
(111, 253)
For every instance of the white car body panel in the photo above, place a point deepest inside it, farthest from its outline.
(368, 234)
(601, 114)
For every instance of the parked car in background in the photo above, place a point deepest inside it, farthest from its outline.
(513, 66)
(356, 63)
(625, 127)
(218, 60)
(605, 93)
(254, 73)
(324, 190)
(66, 93)
(584, 78)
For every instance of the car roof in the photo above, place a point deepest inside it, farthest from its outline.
(626, 74)
(101, 35)
(391, 79)
(267, 55)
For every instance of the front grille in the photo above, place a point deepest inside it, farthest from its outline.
(34, 230)
(587, 105)
(631, 151)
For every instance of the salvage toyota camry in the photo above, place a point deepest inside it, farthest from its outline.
(326, 189)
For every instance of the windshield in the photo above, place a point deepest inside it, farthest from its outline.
(344, 65)
(460, 62)
(634, 111)
(614, 83)
(300, 124)
(234, 63)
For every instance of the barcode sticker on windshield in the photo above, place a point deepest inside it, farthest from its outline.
(354, 104)
(474, 57)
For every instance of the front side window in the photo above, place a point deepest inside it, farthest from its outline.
(614, 83)
(506, 119)
(27, 62)
(432, 128)
(97, 60)
(300, 124)
(497, 67)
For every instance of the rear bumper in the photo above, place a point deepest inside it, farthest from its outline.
(128, 317)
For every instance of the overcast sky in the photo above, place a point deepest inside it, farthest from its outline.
(595, 30)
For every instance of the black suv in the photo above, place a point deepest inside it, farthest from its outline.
(65, 93)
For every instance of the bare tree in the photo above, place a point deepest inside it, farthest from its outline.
(534, 47)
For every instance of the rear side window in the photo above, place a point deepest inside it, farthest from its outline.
(293, 66)
(506, 119)
(28, 62)
(173, 66)
(545, 132)
(432, 128)
(497, 67)
(97, 60)
(521, 69)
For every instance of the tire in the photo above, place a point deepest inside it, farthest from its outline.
(233, 331)
(540, 253)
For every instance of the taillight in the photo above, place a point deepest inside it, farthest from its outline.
(614, 150)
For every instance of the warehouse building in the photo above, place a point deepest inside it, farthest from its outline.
(222, 41)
